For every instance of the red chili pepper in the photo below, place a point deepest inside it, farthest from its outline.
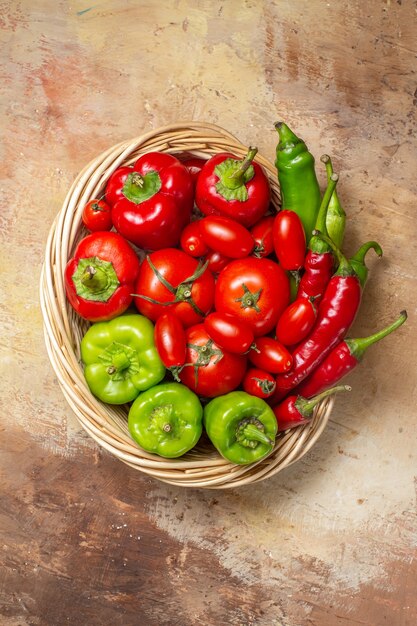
(262, 236)
(170, 342)
(100, 277)
(343, 359)
(229, 332)
(226, 236)
(336, 314)
(236, 188)
(158, 196)
(319, 260)
(259, 383)
(296, 410)
(289, 240)
(296, 322)
(194, 166)
(192, 240)
(270, 355)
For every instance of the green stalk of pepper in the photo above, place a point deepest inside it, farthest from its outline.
(166, 420)
(336, 215)
(241, 427)
(300, 190)
(120, 358)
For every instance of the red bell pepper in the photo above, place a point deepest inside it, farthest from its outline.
(100, 278)
(155, 201)
(233, 187)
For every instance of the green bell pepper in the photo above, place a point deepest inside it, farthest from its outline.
(241, 427)
(166, 420)
(120, 358)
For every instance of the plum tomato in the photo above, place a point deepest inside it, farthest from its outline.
(229, 332)
(259, 383)
(191, 240)
(296, 321)
(262, 235)
(226, 236)
(271, 355)
(289, 240)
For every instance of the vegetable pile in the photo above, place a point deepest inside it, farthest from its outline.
(212, 312)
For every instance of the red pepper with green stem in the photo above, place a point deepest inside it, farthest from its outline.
(296, 410)
(319, 261)
(343, 359)
(336, 314)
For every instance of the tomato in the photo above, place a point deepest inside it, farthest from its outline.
(171, 280)
(96, 216)
(116, 183)
(170, 342)
(192, 241)
(255, 290)
(216, 261)
(259, 383)
(210, 371)
(226, 236)
(229, 332)
(296, 321)
(262, 235)
(194, 166)
(271, 355)
(289, 240)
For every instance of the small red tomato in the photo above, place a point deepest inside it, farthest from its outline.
(289, 240)
(270, 355)
(262, 235)
(259, 383)
(229, 332)
(115, 184)
(296, 322)
(192, 241)
(210, 371)
(226, 236)
(194, 166)
(170, 342)
(216, 261)
(97, 216)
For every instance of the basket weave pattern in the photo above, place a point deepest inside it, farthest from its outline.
(64, 329)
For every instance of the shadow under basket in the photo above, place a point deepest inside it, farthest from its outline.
(202, 467)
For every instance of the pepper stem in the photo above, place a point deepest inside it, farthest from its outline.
(94, 278)
(120, 362)
(162, 416)
(361, 253)
(306, 407)
(357, 347)
(321, 215)
(252, 433)
(246, 163)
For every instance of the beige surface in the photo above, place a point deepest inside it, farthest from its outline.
(331, 540)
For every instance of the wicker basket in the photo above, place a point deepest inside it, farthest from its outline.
(202, 466)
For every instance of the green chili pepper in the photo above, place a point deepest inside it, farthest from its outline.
(336, 216)
(166, 420)
(241, 427)
(300, 190)
(120, 358)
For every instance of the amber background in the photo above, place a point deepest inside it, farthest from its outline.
(330, 541)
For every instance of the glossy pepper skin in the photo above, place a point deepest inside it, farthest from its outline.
(336, 314)
(233, 187)
(241, 427)
(100, 277)
(166, 420)
(343, 359)
(120, 358)
(336, 215)
(156, 201)
(296, 410)
(300, 190)
(319, 260)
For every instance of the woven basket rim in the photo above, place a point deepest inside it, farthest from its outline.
(107, 425)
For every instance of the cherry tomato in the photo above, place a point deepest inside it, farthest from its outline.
(262, 235)
(210, 371)
(229, 332)
(116, 183)
(255, 290)
(97, 216)
(289, 240)
(226, 236)
(194, 166)
(170, 279)
(192, 241)
(259, 383)
(216, 261)
(296, 322)
(170, 342)
(270, 355)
